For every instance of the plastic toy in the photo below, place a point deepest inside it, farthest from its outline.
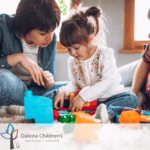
(71, 97)
(82, 117)
(63, 112)
(63, 109)
(117, 117)
(56, 115)
(145, 119)
(38, 108)
(147, 113)
(88, 106)
(129, 117)
(67, 118)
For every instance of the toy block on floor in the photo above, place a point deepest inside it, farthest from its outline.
(145, 119)
(63, 112)
(38, 108)
(71, 97)
(92, 113)
(56, 115)
(129, 117)
(82, 117)
(77, 92)
(63, 109)
(88, 108)
(67, 118)
(117, 117)
(87, 104)
(93, 103)
(147, 113)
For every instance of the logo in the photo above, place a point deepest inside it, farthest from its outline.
(11, 134)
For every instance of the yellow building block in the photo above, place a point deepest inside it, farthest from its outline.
(87, 104)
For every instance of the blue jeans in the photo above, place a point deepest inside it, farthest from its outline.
(116, 103)
(12, 89)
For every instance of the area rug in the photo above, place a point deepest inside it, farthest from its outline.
(109, 137)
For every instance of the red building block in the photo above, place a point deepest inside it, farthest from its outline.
(92, 113)
(88, 108)
(77, 92)
(93, 103)
(63, 109)
(56, 115)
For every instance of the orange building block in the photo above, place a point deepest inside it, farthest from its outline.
(82, 117)
(145, 118)
(71, 97)
(129, 117)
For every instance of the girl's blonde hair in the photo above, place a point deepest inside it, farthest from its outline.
(83, 21)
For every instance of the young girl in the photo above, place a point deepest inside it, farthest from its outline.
(27, 51)
(92, 66)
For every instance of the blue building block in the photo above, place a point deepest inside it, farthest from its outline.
(87, 111)
(38, 108)
(147, 113)
(63, 112)
(117, 117)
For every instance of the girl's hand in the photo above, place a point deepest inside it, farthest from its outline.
(48, 79)
(59, 98)
(76, 104)
(35, 71)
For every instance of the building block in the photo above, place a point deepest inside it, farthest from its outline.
(55, 115)
(93, 103)
(145, 119)
(71, 97)
(92, 113)
(77, 92)
(147, 113)
(129, 117)
(63, 112)
(67, 118)
(87, 111)
(38, 108)
(88, 108)
(87, 104)
(63, 109)
(82, 117)
(117, 117)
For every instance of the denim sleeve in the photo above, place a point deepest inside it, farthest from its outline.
(52, 50)
(3, 59)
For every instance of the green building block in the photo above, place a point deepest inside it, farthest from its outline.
(67, 118)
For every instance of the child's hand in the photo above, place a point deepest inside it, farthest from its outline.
(48, 79)
(59, 98)
(76, 104)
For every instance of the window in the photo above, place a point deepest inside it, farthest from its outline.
(63, 7)
(134, 25)
(9, 7)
